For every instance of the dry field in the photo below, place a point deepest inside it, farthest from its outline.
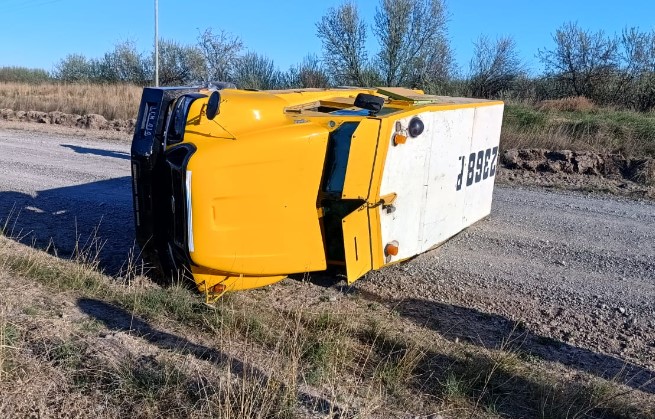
(113, 101)
(577, 124)
(523, 315)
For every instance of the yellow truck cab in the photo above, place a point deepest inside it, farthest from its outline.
(238, 189)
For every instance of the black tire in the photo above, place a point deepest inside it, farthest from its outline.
(369, 102)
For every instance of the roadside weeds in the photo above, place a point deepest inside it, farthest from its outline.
(131, 346)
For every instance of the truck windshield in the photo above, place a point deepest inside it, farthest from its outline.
(337, 158)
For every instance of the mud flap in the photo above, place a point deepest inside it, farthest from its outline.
(357, 243)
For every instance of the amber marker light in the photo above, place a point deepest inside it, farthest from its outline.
(391, 249)
(399, 139)
(218, 289)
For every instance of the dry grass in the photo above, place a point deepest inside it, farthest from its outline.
(113, 101)
(561, 137)
(245, 359)
(568, 104)
(5, 343)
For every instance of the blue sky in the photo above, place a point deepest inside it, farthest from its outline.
(38, 33)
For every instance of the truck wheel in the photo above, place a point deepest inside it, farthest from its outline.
(369, 102)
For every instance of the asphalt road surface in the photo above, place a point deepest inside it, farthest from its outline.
(574, 267)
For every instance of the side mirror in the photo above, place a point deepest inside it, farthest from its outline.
(213, 104)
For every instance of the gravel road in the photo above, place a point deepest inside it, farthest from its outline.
(572, 275)
(565, 276)
(72, 190)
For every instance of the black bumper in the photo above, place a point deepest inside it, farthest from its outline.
(159, 187)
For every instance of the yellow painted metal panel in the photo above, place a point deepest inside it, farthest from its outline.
(254, 182)
(377, 248)
(357, 243)
(207, 279)
(254, 201)
(363, 149)
(386, 129)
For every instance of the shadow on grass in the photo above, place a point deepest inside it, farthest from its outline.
(497, 332)
(118, 319)
(495, 386)
(499, 382)
(92, 220)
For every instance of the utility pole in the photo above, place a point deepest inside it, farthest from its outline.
(156, 43)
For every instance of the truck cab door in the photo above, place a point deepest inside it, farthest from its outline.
(357, 243)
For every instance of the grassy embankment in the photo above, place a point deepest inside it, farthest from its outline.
(574, 123)
(65, 349)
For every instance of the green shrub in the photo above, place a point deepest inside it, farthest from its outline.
(23, 75)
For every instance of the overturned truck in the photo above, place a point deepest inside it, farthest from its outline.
(237, 189)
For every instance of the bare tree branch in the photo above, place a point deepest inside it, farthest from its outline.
(309, 73)
(254, 71)
(343, 35)
(179, 64)
(494, 67)
(413, 43)
(220, 51)
(581, 59)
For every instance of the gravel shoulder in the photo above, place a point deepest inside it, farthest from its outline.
(577, 269)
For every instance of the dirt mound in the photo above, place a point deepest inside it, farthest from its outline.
(612, 166)
(90, 121)
(575, 170)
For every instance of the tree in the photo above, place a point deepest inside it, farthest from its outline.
(309, 73)
(123, 64)
(581, 60)
(494, 67)
(254, 71)
(221, 52)
(343, 35)
(414, 48)
(433, 72)
(23, 75)
(74, 68)
(637, 54)
(179, 64)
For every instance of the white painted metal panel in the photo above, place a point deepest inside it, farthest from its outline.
(443, 178)
(486, 136)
